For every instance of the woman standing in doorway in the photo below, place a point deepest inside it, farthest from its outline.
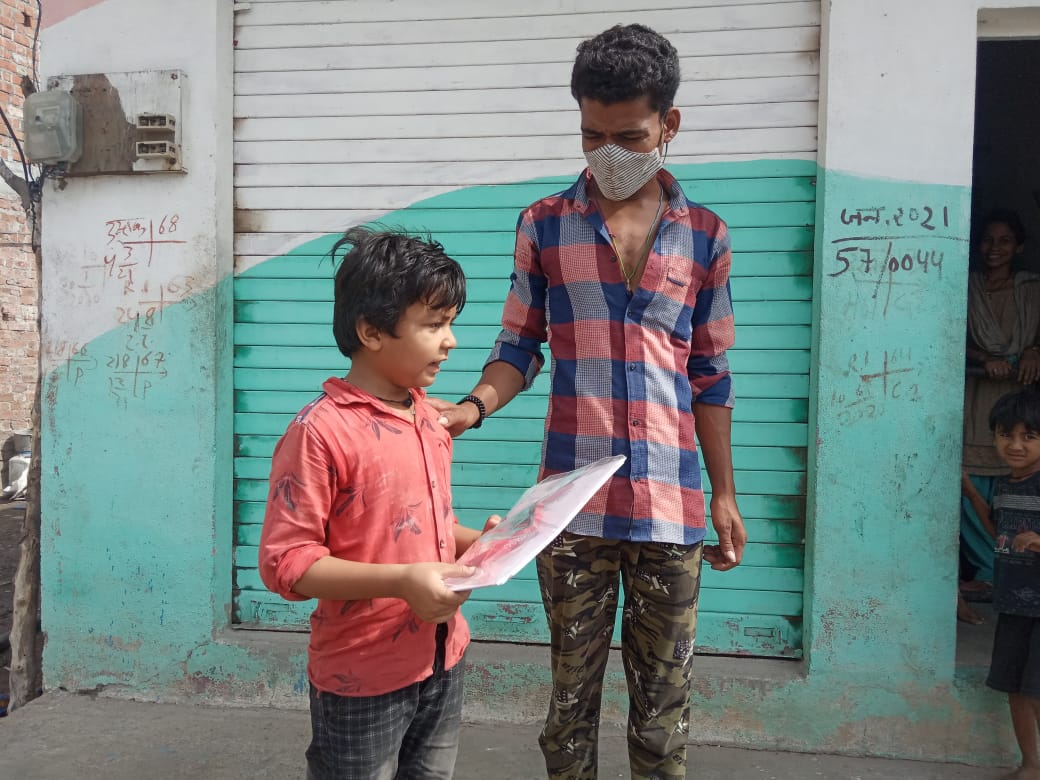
(1003, 354)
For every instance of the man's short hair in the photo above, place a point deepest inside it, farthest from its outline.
(625, 63)
(385, 272)
(1019, 406)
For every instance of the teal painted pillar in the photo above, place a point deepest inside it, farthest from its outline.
(890, 305)
(884, 481)
(136, 440)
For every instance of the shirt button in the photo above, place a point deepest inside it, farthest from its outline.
(433, 483)
(636, 479)
(443, 544)
(631, 366)
(635, 423)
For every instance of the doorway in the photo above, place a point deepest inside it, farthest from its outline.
(1006, 175)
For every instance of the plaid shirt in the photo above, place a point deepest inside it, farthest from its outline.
(626, 369)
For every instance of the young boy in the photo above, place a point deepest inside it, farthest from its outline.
(1015, 669)
(359, 516)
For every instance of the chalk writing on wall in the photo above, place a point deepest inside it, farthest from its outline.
(878, 378)
(133, 276)
(893, 251)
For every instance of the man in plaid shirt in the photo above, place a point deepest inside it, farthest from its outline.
(628, 282)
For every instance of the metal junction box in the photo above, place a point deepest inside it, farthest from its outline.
(132, 122)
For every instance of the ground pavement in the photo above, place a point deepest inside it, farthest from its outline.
(79, 736)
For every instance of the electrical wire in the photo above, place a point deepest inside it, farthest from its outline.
(36, 38)
(30, 180)
(35, 184)
(18, 145)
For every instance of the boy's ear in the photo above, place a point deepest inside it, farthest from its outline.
(369, 335)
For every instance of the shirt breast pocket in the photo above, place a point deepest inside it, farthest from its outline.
(669, 309)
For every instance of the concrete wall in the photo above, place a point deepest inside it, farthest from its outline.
(136, 427)
(137, 488)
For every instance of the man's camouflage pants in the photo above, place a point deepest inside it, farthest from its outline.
(578, 576)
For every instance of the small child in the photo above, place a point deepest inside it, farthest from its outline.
(1015, 669)
(359, 516)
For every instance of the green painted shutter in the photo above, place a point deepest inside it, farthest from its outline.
(284, 350)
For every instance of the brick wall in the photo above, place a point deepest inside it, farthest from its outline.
(19, 340)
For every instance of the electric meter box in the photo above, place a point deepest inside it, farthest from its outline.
(53, 127)
(132, 121)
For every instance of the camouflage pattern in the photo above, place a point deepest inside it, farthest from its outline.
(579, 582)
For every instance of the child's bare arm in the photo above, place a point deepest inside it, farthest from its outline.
(464, 536)
(978, 503)
(986, 518)
(419, 584)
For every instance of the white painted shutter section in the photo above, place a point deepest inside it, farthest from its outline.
(436, 96)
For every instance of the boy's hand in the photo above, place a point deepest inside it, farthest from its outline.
(423, 588)
(492, 521)
(1027, 540)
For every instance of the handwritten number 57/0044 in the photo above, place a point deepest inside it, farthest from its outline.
(863, 260)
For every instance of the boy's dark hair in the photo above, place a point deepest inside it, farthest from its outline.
(1020, 406)
(383, 274)
(625, 63)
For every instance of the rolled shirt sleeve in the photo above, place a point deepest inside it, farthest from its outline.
(300, 498)
(713, 330)
(524, 324)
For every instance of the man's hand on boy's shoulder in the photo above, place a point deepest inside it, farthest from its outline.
(1027, 540)
(422, 586)
(457, 418)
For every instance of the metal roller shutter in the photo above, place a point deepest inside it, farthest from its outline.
(452, 117)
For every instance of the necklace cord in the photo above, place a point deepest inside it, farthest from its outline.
(407, 403)
(644, 250)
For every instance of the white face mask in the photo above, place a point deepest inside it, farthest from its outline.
(620, 172)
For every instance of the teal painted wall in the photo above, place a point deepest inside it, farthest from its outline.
(138, 528)
(136, 496)
(888, 393)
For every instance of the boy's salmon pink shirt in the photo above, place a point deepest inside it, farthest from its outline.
(353, 480)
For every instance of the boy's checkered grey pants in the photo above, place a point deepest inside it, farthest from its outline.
(408, 734)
